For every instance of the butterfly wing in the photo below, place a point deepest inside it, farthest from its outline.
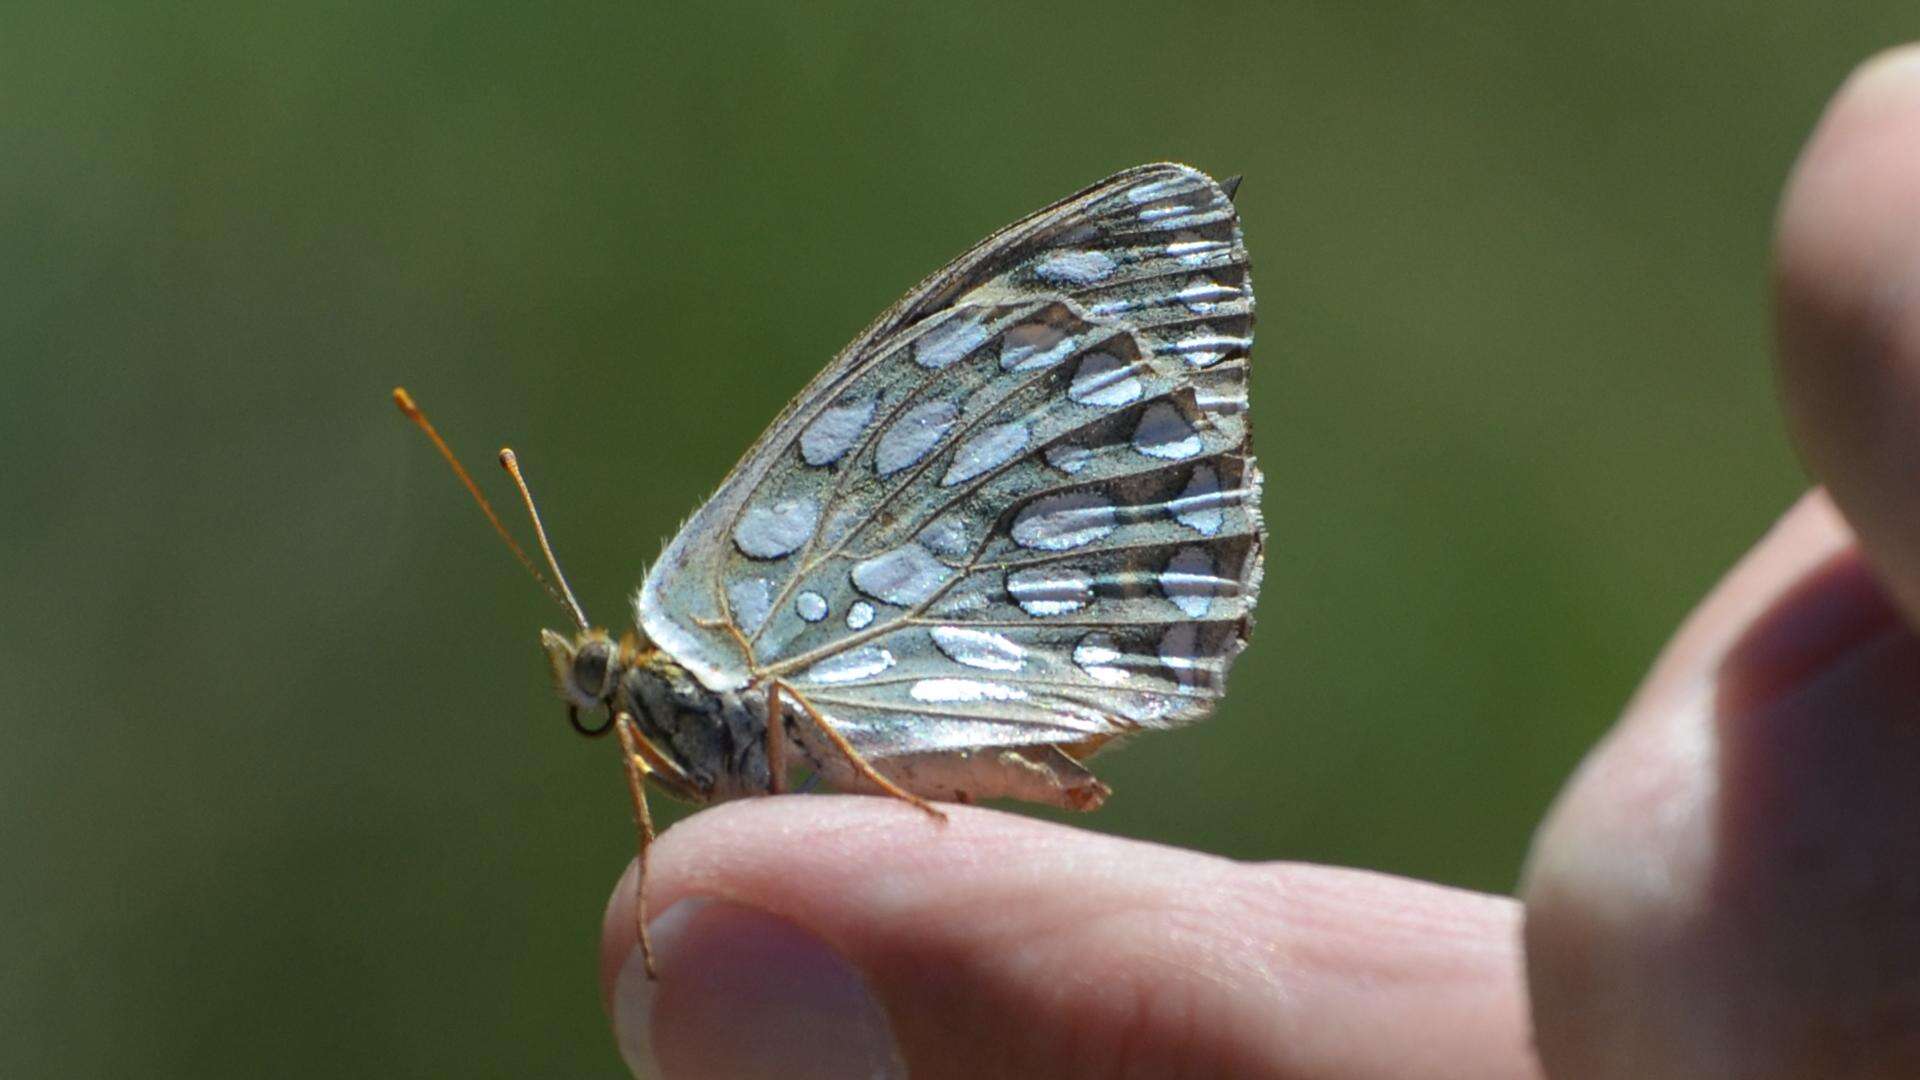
(1019, 510)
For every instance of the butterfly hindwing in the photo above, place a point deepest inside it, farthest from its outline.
(1020, 510)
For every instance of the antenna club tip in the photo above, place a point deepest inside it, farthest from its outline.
(405, 401)
(507, 458)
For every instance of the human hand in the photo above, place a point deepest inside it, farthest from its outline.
(1729, 886)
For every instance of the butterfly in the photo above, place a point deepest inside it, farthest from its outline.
(1015, 521)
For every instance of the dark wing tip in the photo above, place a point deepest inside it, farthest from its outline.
(1231, 185)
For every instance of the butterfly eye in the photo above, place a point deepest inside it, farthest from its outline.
(593, 670)
(584, 670)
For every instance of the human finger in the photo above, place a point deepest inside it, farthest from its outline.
(838, 936)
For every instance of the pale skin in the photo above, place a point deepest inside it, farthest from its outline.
(1728, 886)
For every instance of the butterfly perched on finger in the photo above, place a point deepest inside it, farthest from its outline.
(1015, 521)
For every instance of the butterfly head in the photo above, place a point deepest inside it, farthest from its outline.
(586, 670)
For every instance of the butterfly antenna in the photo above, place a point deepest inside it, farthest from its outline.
(565, 599)
(512, 465)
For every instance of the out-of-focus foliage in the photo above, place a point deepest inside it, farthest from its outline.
(285, 788)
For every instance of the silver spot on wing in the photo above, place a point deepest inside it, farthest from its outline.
(951, 536)
(907, 575)
(950, 342)
(1035, 345)
(1069, 458)
(1050, 590)
(1219, 403)
(834, 432)
(1199, 252)
(1165, 433)
(1204, 350)
(1075, 267)
(1065, 521)
(1191, 582)
(988, 449)
(1200, 502)
(851, 666)
(770, 531)
(1097, 655)
(979, 648)
(1104, 379)
(963, 691)
(910, 438)
(1180, 652)
(810, 606)
(751, 599)
(1204, 294)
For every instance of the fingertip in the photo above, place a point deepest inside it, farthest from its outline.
(1894, 71)
(1850, 178)
(1848, 309)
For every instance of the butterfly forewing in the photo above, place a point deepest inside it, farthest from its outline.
(1021, 509)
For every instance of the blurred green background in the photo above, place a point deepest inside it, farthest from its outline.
(285, 787)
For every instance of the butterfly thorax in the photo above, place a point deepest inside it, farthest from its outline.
(701, 746)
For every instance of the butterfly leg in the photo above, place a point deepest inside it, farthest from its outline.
(776, 742)
(637, 770)
(853, 757)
